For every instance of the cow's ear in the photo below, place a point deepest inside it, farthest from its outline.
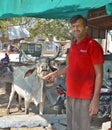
(53, 68)
(29, 72)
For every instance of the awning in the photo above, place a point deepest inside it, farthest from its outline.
(56, 9)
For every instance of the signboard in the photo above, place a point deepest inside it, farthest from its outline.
(17, 32)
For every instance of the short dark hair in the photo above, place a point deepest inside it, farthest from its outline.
(77, 17)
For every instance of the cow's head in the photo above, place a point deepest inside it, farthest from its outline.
(43, 66)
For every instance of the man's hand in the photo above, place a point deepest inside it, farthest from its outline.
(94, 107)
(50, 76)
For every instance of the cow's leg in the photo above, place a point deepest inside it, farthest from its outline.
(41, 108)
(19, 105)
(8, 88)
(41, 105)
(27, 102)
(10, 99)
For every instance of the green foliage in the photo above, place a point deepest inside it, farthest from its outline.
(49, 28)
(42, 28)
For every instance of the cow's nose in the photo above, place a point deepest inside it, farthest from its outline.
(44, 67)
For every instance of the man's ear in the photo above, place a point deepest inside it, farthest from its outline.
(86, 28)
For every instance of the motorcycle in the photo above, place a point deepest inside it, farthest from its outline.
(105, 100)
(5, 63)
(60, 105)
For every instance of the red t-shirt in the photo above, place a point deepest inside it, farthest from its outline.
(80, 75)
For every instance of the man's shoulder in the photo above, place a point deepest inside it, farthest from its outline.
(93, 43)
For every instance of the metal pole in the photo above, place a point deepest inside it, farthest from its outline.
(106, 34)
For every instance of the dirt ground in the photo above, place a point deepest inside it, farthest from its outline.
(95, 124)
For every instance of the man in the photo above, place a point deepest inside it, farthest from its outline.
(84, 75)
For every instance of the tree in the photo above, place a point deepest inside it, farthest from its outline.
(42, 28)
(47, 28)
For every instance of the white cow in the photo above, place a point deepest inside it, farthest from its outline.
(28, 83)
(31, 88)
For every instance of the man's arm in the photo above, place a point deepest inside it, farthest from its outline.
(62, 71)
(53, 75)
(94, 106)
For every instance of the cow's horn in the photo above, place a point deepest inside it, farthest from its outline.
(57, 53)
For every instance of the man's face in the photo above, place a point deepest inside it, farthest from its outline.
(79, 29)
